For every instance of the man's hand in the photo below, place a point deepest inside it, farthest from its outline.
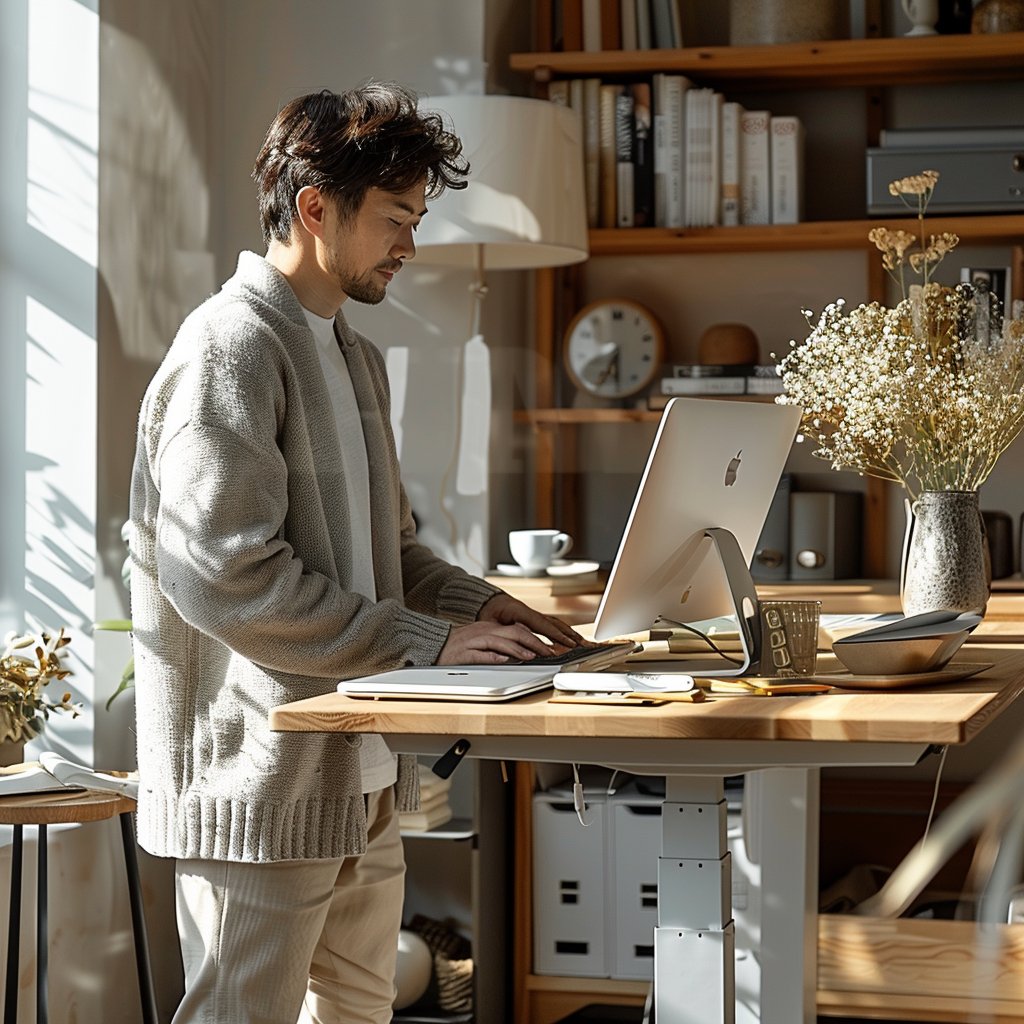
(506, 629)
(507, 610)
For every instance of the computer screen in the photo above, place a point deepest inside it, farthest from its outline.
(714, 465)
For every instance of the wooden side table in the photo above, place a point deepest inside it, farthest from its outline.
(42, 809)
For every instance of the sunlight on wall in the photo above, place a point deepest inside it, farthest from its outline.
(60, 488)
(63, 125)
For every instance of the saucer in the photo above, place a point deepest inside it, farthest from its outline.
(513, 569)
(562, 568)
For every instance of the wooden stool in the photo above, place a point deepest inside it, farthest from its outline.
(42, 809)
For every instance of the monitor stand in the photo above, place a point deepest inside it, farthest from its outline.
(745, 606)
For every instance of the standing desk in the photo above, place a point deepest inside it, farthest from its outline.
(779, 742)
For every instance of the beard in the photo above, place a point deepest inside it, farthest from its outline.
(362, 288)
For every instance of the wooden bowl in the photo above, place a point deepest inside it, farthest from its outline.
(729, 344)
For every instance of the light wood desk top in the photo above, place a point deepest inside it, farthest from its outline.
(949, 714)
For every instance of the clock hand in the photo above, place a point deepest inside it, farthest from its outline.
(611, 370)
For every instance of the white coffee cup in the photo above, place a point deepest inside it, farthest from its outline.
(537, 549)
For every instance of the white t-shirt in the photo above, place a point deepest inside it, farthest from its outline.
(377, 763)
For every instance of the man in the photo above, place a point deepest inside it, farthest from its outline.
(274, 553)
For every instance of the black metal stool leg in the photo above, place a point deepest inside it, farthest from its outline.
(42, 931)
(13, 932)
(142, 964)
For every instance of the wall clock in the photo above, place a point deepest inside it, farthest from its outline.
(613, 348)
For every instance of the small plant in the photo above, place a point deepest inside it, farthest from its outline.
(28, 665)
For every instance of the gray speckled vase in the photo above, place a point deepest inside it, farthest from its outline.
(945, 555)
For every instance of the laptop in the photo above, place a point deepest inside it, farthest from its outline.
(485, 683)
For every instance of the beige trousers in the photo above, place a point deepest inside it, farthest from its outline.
(313, 941)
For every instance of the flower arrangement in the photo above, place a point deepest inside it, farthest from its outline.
(23, 676)
(927, 394)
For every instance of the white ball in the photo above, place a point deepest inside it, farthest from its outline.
(415, 967)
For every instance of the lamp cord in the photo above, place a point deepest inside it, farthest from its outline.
(478, 289)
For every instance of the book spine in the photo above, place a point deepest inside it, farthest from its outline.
(592, 148)
(713, 370)
(624, 160)
(644, 36)
(703, 386)
(764, 386)
(692, 156)
(714, 185)
(661, 24)
(730, 191)
(591, 25)
(607, 188)
(755, 190)
(643, 157)
(627, 24)
(787, 147)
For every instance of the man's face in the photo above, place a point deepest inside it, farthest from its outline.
(364, 252)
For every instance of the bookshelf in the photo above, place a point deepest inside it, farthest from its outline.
(868, 63)
(872, 65)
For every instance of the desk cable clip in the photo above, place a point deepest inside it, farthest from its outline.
(449, 761)
(577, 796)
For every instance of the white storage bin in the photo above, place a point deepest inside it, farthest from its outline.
(633, 882)
(570, 890)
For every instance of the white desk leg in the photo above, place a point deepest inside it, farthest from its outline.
(694, 941)
(781, 826)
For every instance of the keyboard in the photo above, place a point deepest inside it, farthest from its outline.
(574, 654)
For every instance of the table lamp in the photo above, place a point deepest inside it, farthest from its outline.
(524, 208)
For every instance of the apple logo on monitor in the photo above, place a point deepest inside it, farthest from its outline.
(730, 470)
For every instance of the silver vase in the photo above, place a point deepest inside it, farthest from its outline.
(945, 554)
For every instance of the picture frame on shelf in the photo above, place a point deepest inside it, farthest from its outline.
(995, 280)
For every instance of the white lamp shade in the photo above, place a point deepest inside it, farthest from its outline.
(524, 206)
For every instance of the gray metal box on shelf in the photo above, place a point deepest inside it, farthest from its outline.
(975, 179)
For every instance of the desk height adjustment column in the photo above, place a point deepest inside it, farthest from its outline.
(695, 939)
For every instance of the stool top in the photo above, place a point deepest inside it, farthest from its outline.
(63, 808)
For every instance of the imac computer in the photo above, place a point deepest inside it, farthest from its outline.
(690, 537)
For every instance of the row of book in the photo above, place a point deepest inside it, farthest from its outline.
(720, 379)
(664, 153)
(593, 25)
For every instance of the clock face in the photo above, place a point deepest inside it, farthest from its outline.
(613, 348)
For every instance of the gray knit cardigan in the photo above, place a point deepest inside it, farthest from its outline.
(241, 567)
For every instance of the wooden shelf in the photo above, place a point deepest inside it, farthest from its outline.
(830, 64)
(995, 229)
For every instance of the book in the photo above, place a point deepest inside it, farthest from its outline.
(787, 170)
(592, 149)
(592, 25)
(755, 167)
(644, 36)
(666, 32)
(712, 198)
(764, 385)
(607, 191)
(624, 159)
(30, 777)
(669, 125)
(627, 24)
(703, 385)
(692, 155)
(713, 370)
(729, 191)
(643, 156)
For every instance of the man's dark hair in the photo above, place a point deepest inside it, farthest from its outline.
(345, 144)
